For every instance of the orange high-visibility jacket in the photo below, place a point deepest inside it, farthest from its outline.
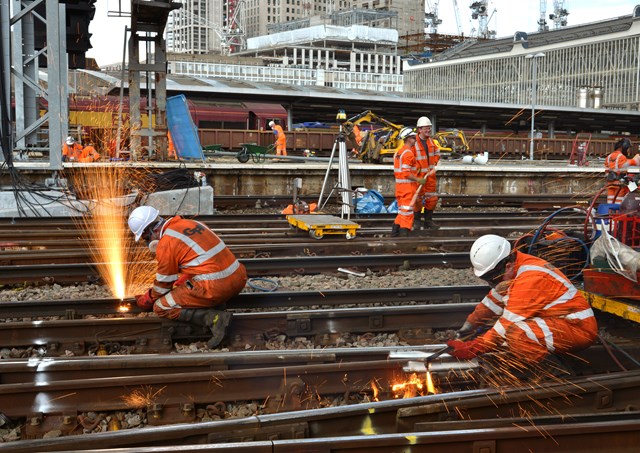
(190, 247)
(538, 296)
(427, 159)
(490, 307)
(618, 163)
(281, 139)
(89, 154)
(404, 166)
(71, 152)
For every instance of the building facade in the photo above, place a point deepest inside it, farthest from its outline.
(201, 26)
(595, 65)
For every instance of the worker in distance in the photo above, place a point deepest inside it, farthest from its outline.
(281, 138)
(196, 271)
(405, 172)
(427, 157)
(536, 308)
(617, 164)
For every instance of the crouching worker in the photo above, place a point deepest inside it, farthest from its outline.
(538, 310)
(196, 271)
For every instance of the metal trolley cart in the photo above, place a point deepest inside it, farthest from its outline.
(320, 224)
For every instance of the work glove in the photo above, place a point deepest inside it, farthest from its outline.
(466, 329)
(182, 280)
(421, 181)
(144, 301)
(465, 350)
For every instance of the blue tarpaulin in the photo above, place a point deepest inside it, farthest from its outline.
(183, 131)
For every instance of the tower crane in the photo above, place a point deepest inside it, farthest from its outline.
(559, 16)
(431, 18)
(456, 10)
(542, 22)
(231, 33)
(479, 12)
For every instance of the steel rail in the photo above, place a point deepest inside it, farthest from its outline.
(153, 334)
(284, 388)
(49, 369)
(380, 418)
(63, 225)
(71, 309)
(74, 272)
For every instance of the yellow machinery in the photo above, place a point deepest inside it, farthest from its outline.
(383, 141)
(376, 143)
(452, 141)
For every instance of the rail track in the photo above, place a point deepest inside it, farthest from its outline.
(55, 393)
(539, 416)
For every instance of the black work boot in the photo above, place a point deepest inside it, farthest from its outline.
(428, 222)
(416, 221)
(216, 320)
(395, 230)
(404, 232)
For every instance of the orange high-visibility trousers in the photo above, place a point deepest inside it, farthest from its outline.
(566, 335)
(202, 294)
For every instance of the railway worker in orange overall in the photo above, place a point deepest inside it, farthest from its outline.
(89, 154)
(281, 139)
(407, 181)
(71, 150)
(617, 163)
(427, 157)
(196, 271)
(538, 310)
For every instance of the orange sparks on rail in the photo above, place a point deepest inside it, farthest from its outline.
(126, 267)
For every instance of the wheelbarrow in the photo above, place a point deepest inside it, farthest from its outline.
(254, 152)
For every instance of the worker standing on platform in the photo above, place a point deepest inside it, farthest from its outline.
(617, 163)
(427, 157)
(538, 310)
(281, 139)
(407, 180)
(71, 150)
(196, 271)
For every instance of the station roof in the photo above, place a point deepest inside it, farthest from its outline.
(321, 103)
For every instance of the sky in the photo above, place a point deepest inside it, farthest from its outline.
(510, 16)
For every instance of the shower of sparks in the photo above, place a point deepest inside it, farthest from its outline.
(141, 398)
(125, 266)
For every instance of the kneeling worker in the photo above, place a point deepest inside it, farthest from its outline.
(545, 313)
(196, 271)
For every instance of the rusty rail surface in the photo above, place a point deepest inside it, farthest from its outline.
(568, 404)
(153, 334)
(166, 396)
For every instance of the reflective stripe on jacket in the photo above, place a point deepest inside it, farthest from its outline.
(404, 166)
(190, 247)
(538, 291)
(426, 159)
(490, 307)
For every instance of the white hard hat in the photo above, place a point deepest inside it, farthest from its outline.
(70, 140)
(423, 121)
(140, 218)
(487, 251)
(406, 133)
(271, 124)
